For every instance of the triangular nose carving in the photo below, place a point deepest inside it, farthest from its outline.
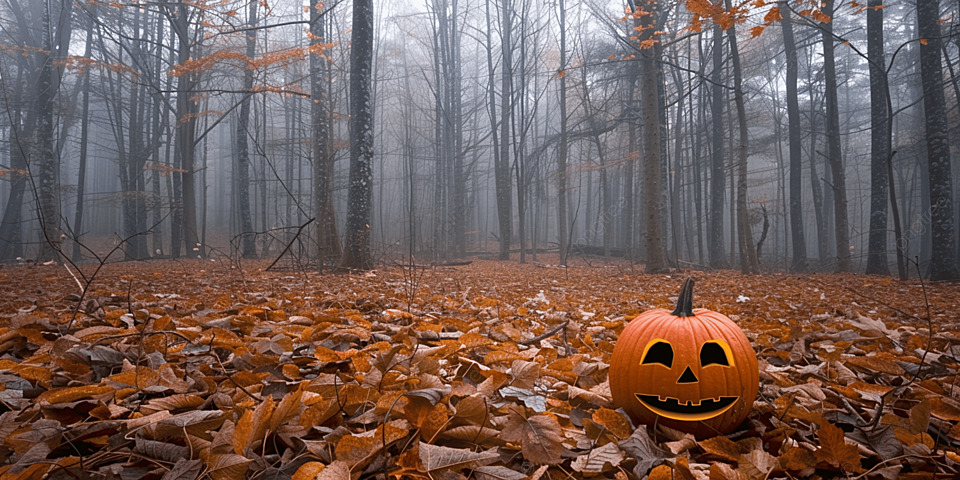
(687, 377)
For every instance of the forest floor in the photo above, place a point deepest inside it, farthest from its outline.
(200, 369)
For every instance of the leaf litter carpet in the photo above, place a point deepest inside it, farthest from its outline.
(493, 370)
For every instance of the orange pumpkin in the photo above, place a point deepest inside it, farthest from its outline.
(690, 369)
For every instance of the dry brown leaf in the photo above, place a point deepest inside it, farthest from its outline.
(722, 448)
(835, 451)
(723, 471)
(473, 409)
(252, 427)
(497, 472)
(757, 463)
(72, 394)
(474, 434)
(436, 457)
(645, 451)
(184, 468)
(308, 471)
(798, 459)
(524, 374)
(539, 437)
(288, 408)
(226, 466)
(335, 471)
(598, 460)
(614, 421)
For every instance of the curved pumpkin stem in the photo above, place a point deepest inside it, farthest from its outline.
(685, 302)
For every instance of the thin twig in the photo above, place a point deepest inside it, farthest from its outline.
(546, 334)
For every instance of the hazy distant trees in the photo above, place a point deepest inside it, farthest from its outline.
(44, 31)
(500, 127)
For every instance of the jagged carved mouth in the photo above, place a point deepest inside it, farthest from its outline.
(690, 411)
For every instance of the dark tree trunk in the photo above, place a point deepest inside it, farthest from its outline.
(943, 265)
(799, 262)
(879, 142)
(562, 153)
(502, 167)
(11, 227)
(748, 254)
(834, 153)
(248, 245)
(328, 243)
(356, 252)
(649, 65)
(185, 233)
(84, 139)
(715, 247)
(43, 153)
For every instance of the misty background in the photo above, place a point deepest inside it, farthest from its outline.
(764, 137)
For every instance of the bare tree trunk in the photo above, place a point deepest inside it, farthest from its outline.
(834, 153)
(879, 142)
(356, 252)
(185, 233)
(328, 243)
(44, 154)
(799, 262)
(944, 264)
(84, 139)
(248, 245)
(562, 152)
(656, 261)
(748, 254)
(715, 245)
(502, 168)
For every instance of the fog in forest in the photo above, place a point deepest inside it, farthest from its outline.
(763, 137)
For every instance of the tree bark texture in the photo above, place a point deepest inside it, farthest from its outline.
(879, 142)
(799, 262)
(943, 264)
(357, 253)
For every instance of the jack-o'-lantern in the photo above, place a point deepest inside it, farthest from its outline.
(691, 369)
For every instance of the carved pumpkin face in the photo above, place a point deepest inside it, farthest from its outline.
(693, 370)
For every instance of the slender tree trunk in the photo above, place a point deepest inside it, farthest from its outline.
(11, 230)
(562, 150)
(84, 140)
(715, 245)
(944, 264)
(185, 233)
(44, 154)
(656, 261)
(799, 262)
(248, 245)
(834, 153)
(879, 142)
(356, 253)
(328, 243)
(458, 180)
(502, 169)
(748, 254)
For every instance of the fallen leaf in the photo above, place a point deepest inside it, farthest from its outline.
(598, 460)
(835, 451)
(436, 457)
(539, 437)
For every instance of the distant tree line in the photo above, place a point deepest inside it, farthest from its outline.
(768, 136)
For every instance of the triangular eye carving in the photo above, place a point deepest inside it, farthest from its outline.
(660, 352)
(712, 353)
